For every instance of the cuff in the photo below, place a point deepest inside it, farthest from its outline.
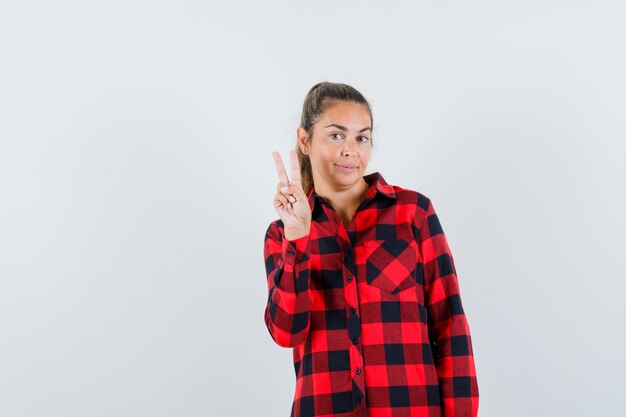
(293, 250)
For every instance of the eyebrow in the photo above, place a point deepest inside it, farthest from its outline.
(345, 129)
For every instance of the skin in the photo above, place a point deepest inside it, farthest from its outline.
(340, 137)
(290, 201)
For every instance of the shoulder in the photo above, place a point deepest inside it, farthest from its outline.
(409, 196)
(415, 199)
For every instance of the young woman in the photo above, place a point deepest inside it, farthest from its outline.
(362, 284)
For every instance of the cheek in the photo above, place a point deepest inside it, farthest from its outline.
(325, 153)
(330, 150)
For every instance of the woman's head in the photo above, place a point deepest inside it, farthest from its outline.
(335, 132)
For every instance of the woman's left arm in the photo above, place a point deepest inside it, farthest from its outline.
(448, 327)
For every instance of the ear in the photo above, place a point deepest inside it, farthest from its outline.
(302, 138)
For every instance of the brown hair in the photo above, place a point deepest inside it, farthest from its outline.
(314, 105)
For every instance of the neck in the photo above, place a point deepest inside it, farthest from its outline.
(344, 198)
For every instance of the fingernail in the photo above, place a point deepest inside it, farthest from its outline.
(284, 189)
(292, 199)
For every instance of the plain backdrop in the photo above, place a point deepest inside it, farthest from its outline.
(136, 186)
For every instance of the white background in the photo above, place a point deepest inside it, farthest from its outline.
(136, 185)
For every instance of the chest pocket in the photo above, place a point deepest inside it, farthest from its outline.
(390, 264)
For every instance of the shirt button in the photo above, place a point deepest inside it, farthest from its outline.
(355, 341)
(358, 371)
(349, 278)
(291, 253)
(352, 310)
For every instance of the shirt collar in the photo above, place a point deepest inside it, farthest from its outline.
(377, 186)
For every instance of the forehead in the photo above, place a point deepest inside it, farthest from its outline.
(346, 113)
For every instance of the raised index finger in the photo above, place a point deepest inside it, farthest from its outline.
(280, 168)
(295, 167)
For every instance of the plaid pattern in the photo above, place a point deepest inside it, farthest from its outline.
(373, 312)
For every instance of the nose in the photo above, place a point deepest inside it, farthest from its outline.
(349, 147)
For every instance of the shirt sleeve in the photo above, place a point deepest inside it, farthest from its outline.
(288, 310)
(448, 329)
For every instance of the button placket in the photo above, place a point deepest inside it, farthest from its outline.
(354, 321)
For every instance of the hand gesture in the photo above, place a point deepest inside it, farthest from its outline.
(290, 201)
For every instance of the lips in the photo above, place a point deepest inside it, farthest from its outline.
(346, 169)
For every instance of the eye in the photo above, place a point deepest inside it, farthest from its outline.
(336, 136)
(364, 138)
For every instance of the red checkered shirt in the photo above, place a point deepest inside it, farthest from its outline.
(372, 311)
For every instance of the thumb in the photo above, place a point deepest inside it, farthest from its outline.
(293, 189)
(298, 192)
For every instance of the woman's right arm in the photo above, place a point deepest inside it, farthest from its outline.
(288, 310)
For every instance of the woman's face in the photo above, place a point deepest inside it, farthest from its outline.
(341, 145)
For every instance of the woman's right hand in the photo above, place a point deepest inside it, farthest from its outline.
(290, 201)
